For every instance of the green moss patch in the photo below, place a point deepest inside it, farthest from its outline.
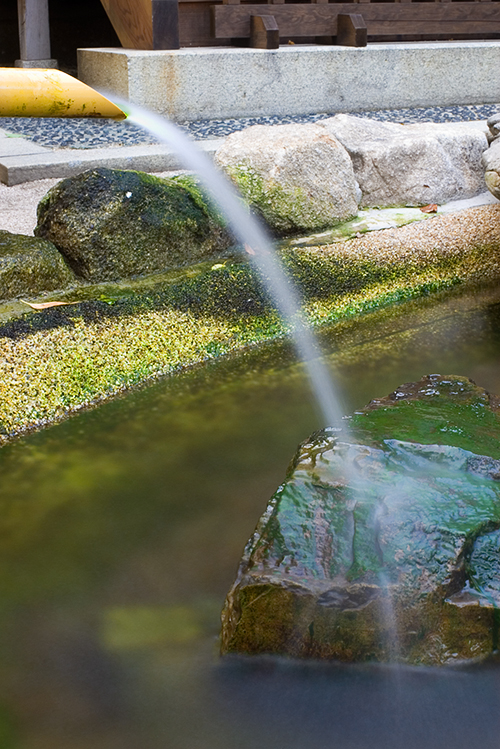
(116, 336)
(284, 210)
(29, 266)
(111, 224)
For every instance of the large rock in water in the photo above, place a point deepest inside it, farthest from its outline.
(412, 164)
(298, 177)
(385, 547)
(29, 266)
(113, 224)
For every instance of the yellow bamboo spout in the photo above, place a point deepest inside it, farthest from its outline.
(33, 92)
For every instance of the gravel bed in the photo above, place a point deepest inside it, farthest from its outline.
(439, 239)
(83, 134)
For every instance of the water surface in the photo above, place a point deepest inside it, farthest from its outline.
(121, 530)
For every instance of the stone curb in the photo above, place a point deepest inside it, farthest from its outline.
(22, 164)
(223, 83)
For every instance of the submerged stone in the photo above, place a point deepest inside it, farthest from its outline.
(29, 265)
(384, 544)
(113, 224)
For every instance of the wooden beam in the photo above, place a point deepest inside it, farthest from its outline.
(351, 30)
(316, 19)
(145, 24)
(323, 38)
(165, 24)
(133, 22)
(34, 33)
(264, 32)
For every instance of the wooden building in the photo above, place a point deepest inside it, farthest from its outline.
(171, 24)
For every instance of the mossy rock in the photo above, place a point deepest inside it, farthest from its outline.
(383, 544)
(295, 177)
(29, 266)
(112, 224)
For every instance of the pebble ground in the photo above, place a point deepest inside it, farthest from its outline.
(59, 133)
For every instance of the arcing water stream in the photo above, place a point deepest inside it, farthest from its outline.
(258, 245)
(254, 238)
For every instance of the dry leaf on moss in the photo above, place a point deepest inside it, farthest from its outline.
(46, 305)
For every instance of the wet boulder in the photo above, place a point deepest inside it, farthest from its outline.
(29, 266)
(111, 224)
(297, 177)
(412, 164)
(383, 543)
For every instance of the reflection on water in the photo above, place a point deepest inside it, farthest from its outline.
(121, 530)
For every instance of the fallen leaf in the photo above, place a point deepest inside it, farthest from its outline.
(431, 208)
(46, 305)
(249, 250)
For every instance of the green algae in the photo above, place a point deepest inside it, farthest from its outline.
(112, 224)
(285, 210)
(59, 360)
(205, 311)
(457, 413)
(29, 266)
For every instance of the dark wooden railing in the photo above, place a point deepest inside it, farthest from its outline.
(169, 24)
(352, 23)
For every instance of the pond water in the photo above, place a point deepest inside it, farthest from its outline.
(121, 531)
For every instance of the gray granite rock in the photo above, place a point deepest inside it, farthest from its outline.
(113, 224)
(29, 266)
(493, 123)
(491, 158)
(297, 177)
(412, 164)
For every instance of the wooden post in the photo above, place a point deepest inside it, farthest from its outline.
(165, 24)
(34, 34)
(351, 30)
(264, 32)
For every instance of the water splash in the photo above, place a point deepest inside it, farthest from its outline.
(251, 235)
(388, 620)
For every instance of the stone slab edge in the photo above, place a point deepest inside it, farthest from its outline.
(217, 83)
(16, 169)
